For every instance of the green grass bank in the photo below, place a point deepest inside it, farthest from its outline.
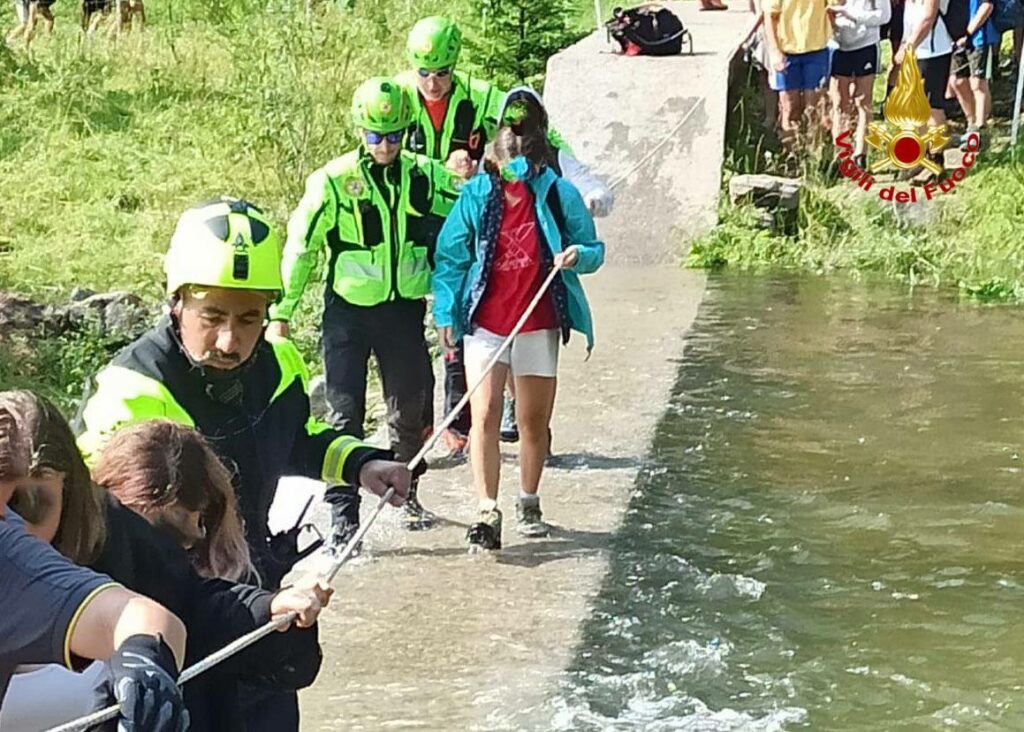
(103, 142)
(968, 239)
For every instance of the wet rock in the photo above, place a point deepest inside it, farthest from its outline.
(766, 191)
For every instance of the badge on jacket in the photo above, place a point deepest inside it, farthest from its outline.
(355, 187)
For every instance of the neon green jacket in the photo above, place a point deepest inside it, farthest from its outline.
(378, 224)
(257, 420)
(470, 121)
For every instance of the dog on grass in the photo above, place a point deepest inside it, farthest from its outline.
(95, 12)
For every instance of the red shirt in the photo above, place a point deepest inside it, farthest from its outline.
(437, 111)
(517, 271)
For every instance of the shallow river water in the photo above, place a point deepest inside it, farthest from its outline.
(830, 530)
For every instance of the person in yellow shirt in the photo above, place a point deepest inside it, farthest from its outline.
(797, 33)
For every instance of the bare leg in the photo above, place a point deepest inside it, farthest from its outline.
(964, 95)
(47, 16)
(835, 96)
(485, 407)
(862, 89)
(982, 101)
(534, 404)
(30, 24)
(790, 111)
(814, 114)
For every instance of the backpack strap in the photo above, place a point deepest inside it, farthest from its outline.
(555, 206)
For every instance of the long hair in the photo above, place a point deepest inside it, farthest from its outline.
(523, 131)
(153, 464)
(50, 445)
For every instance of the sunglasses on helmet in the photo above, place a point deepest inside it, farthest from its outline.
(439, 73)
(376, 138)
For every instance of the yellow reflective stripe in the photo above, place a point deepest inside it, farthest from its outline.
(412, 266)
(350, 267)
(292, 366)
(122, 397)
(315, 427)
(336, 456)
(77, 616)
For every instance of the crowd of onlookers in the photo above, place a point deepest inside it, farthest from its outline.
(818, 60)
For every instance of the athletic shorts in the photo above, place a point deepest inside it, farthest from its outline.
(21, 6)
(531, 354)
(804, 72)
(972, 62)
(935, 72)
(857, 63)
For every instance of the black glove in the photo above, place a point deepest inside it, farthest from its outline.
(143, 681)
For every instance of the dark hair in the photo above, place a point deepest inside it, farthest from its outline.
(157, 463)
(13, 450)
(523, 131)
(50, 445)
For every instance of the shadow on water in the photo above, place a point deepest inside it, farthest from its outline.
(828, 531)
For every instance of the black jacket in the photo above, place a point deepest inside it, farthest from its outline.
(257, 419)
(215, 612)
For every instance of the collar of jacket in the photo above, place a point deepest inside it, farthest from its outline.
(391, 174)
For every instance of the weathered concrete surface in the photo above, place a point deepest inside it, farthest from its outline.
(616, 110)
(423, 636)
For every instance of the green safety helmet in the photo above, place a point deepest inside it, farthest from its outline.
(380, 105)
(224, 243)
(434, 43)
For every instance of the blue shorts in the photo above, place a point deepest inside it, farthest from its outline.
(804, 72)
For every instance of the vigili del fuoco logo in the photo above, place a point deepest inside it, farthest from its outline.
(900, 144)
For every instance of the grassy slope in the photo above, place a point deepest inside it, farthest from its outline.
(969, 240)
(103, 143)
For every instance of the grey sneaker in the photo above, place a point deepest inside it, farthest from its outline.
(414, 516)
(486, 532)
(529, 519)
(509, 428)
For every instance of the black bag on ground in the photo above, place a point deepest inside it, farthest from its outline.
(650, 30)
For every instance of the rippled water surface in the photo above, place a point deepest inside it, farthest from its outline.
(831, 533)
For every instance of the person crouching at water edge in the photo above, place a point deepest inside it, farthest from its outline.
(507, 231)
(166, 526)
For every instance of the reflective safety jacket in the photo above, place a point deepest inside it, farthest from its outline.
(470, 120)
(380, 224)
(256, 418)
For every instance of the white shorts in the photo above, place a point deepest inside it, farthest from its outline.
(531, 354)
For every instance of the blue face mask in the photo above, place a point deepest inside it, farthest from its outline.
(517, 169)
